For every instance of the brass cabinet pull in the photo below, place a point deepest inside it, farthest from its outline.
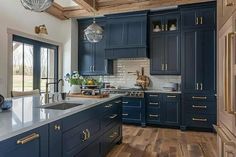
(162, 28)
(90, 68)
(197, 21)
(88, 133)
(153, 115)
(113, 116)
(171, 96)
(197, 86)
(154, 95)
(201, 86)
(199, 106)
(162, 67)
(199, 119)
(28, 138)
(201, 20)
(93, 68)
(114, 134)
(108, 106)
(84, 138)
(154, 103)
(166, 67)
(57, 127)
(125, 114)
(125, 102)
(199, 97)
(117, 102)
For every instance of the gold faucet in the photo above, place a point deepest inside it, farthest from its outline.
(47, 85)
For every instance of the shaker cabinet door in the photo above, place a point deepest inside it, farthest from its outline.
(172, 53)
(157, 55)
(85, 58)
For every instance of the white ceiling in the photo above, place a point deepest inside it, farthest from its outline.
(66, 3)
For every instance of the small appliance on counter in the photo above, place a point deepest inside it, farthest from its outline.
(5, 104)
(171, 86)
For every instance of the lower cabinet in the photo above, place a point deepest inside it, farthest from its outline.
(33, 143)
(133, 110)
(90, 133)
(198, 111)
(163, 109)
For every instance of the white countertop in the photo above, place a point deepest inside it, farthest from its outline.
(26, 114)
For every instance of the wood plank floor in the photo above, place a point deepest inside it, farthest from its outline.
(161, 142)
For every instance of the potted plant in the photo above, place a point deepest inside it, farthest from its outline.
(75, 81)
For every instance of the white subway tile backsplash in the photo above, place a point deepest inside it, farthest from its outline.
(123, 78)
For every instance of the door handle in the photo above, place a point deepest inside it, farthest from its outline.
(197, 86)
(117, 102)
(162, 67)
(200, 119)
(162, 28)
(166, 68)
(201, 86)
(153, 115)
(201, 20)
(154, 103)
(154, 95)
(197, 21)
(199, 97)
(171, 96)
(84, 138)
(166, 27)
(28, 139)
(57, 127)
(93, 68)
(199, 106)
(90, 68)
(108, 106)
(113, 116)
(88, 133)
(125, 114)
(125, 102)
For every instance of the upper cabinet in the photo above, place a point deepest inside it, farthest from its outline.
(225, 9)
(198, 47)
(92, 55)
(165, 44)
(126, 35)
(198, 18)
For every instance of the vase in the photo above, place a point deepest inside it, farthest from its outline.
(75, 89)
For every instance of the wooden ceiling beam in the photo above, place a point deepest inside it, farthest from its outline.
(57, 11)
(87, 5)
(115, 6)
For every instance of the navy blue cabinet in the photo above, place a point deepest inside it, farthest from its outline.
(92, 55)
(32, 143)
(133, 110)
(164, 44)
(163, 109)
(126, 35)
(55, 139)
(198, 57)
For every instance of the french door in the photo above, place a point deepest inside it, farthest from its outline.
(34, 63)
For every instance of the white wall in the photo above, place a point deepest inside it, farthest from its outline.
(14, 16)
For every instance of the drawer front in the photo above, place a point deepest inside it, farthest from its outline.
(198, 97)
(132, 102)
(154, 104)
(32, 143)
(171, 97)
(91, 150)
(77, 138)
(110, 118)
(131, 114)
(200, 120)
(154, 97)
(112, 105)
(153, 115)
(200, 107)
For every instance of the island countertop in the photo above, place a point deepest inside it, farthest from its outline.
(27, 113)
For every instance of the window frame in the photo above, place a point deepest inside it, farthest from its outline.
(37, 45)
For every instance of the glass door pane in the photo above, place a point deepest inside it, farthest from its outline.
(17, 66)
(44, 69)
(28, 67)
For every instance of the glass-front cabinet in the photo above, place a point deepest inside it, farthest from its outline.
(164, 23)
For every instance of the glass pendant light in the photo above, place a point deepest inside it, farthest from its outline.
(37, 5)
(94, 33)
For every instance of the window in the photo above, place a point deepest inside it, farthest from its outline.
(34, 64)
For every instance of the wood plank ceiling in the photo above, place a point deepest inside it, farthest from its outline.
(85, 7)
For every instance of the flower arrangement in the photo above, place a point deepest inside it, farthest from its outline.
(74, 78)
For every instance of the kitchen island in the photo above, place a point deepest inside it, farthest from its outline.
(31, 129)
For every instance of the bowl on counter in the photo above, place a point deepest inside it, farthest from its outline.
(7, 104)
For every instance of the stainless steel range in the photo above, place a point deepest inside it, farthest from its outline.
(130, 92)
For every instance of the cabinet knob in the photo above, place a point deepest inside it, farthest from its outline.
(57, 127)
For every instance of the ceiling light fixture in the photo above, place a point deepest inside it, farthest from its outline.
(37, 5)
(94, 32)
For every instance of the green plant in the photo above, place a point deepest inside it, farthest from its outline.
(74, 78)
